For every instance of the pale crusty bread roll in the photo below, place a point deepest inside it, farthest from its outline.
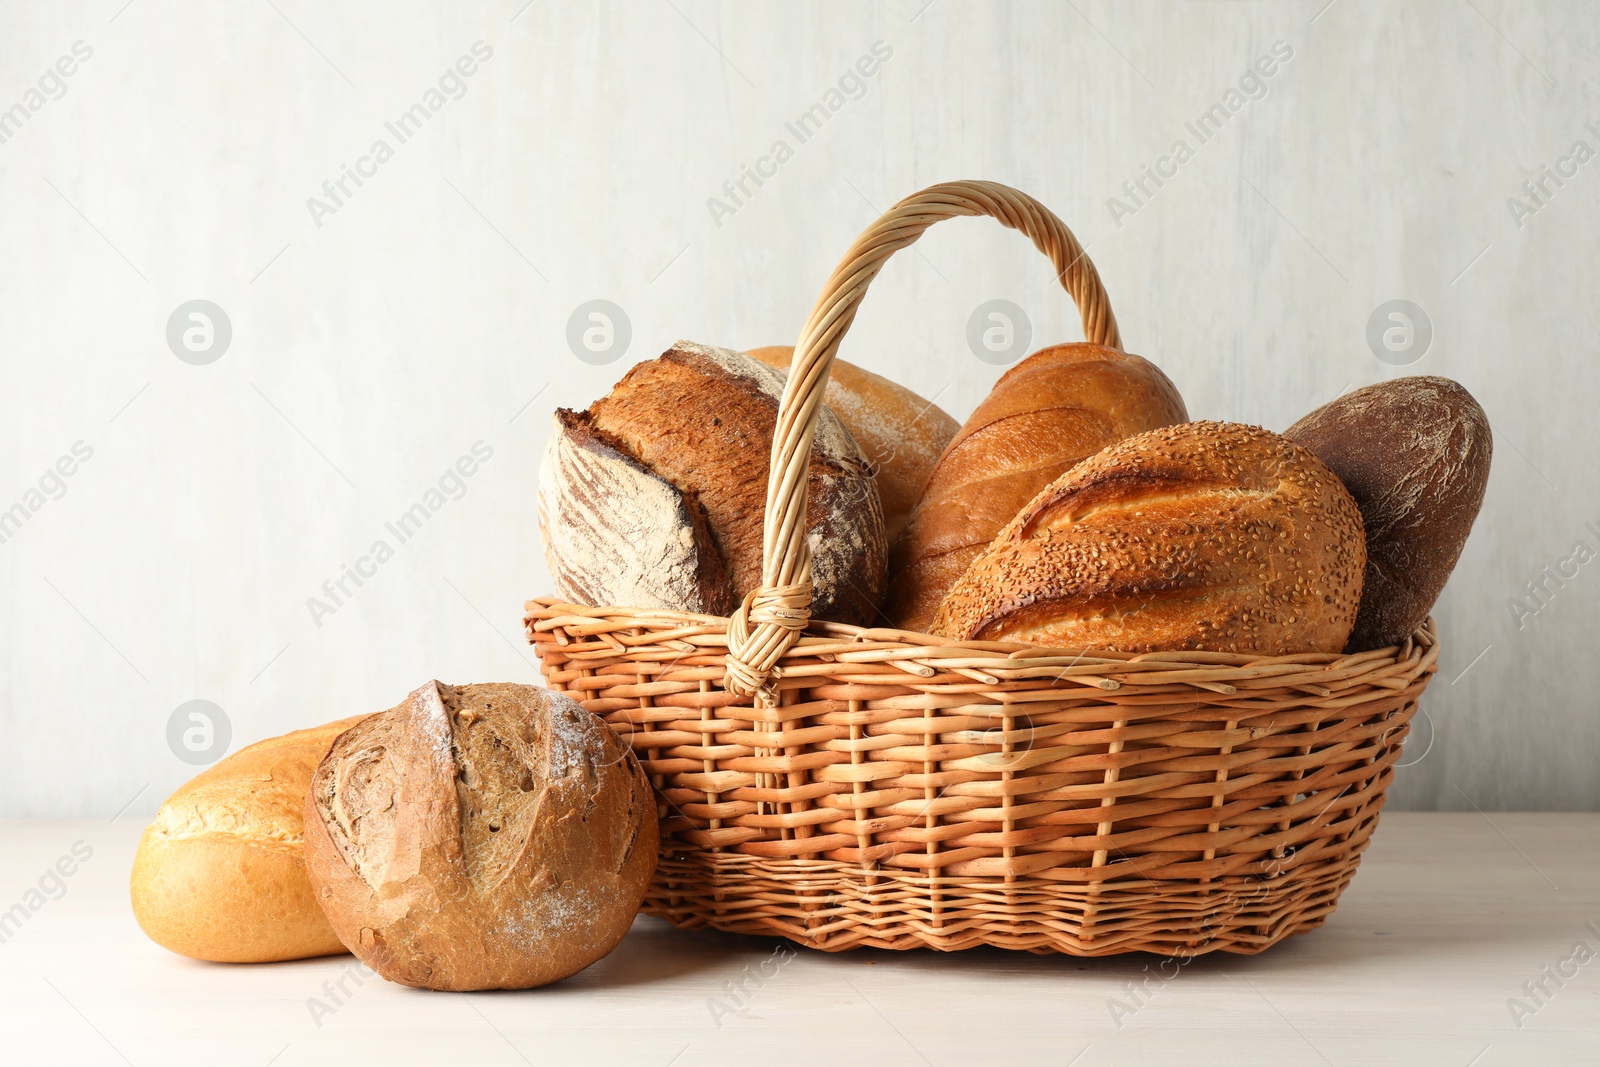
(220, 875)
(480, 837)
(901, 434)
(655, 496)
(1203, 536)
(1050, 411)
(1415, 454)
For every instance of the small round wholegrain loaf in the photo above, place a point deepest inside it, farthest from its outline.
(1415, 454)
(1203, 536)
(480, 837)
(1050, 411)
(901, 434)
(220, 874)
(655, 496)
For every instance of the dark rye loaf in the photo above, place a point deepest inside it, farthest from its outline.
(1415, 453)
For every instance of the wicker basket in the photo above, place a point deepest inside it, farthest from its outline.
(845, 787)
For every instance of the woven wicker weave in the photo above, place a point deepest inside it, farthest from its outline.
(846, 787)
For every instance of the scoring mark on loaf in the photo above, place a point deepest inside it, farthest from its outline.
(654, 496)
(1197, 536)
(359, 807)
(500, 746)
(513, 747)
(200, 819)
(1123, 496)
(367, 802)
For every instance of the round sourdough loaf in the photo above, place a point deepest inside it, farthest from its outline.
(1415, 453)
(480, 837)
(655, 496)
(1204, 536)
(1050, 411)
(901, 434)
(220, 874)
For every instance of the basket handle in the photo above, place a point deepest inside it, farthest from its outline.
(772, 617)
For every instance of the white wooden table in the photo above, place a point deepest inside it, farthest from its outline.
(1448, 918)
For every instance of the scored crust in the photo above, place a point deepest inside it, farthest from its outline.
(219, 873)
(1202, 536)
(701, 419)
(1049, 412)
(615, 532)
(480, 837)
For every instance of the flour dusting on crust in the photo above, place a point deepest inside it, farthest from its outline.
(833, 439)
(614, 533)
(841, 535)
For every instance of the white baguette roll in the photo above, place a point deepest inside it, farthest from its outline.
(219, 875)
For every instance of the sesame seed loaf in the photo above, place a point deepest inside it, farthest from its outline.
(1202, 536)
(1052, 410)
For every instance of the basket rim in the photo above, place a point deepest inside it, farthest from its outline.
(998, 662)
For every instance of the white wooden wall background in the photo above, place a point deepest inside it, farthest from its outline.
(375, 345)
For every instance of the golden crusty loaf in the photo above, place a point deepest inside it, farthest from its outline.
(1415, 453)
(480, 837)
(1047, 413)
(220, 875)
(901, 434)
(1203, 536)
(655, 496)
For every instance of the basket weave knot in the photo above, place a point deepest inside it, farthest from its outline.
(769, 621)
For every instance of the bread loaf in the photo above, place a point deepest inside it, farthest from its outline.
(901, 434)
(1047, 413)
(1203, 536)
(661, 553)
(1415, 454)
(655, 496)
(220, 875)
(480, 837)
